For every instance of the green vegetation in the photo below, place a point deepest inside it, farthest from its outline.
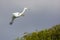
(47, 34)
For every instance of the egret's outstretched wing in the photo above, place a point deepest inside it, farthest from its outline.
(12, 20)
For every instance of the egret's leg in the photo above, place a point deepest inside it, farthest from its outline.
(12, 20)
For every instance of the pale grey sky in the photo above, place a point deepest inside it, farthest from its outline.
(42, 14)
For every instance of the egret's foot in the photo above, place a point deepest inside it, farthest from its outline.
(11, 23)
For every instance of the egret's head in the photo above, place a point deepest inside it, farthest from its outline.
(25, 8)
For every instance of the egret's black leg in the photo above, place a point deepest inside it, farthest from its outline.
(12, 20)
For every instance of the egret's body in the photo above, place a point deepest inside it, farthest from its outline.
(16, 15)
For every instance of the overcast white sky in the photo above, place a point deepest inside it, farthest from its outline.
(41, 14)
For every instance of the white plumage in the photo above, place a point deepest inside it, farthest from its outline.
(16, 15)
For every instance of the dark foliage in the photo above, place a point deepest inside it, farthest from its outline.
(48, 34)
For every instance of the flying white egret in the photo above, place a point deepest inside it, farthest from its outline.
(16, 15)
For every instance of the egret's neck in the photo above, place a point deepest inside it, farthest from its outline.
(23, 11)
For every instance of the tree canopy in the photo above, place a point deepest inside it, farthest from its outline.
(47, 34)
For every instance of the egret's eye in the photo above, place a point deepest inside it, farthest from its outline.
(25, 8)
